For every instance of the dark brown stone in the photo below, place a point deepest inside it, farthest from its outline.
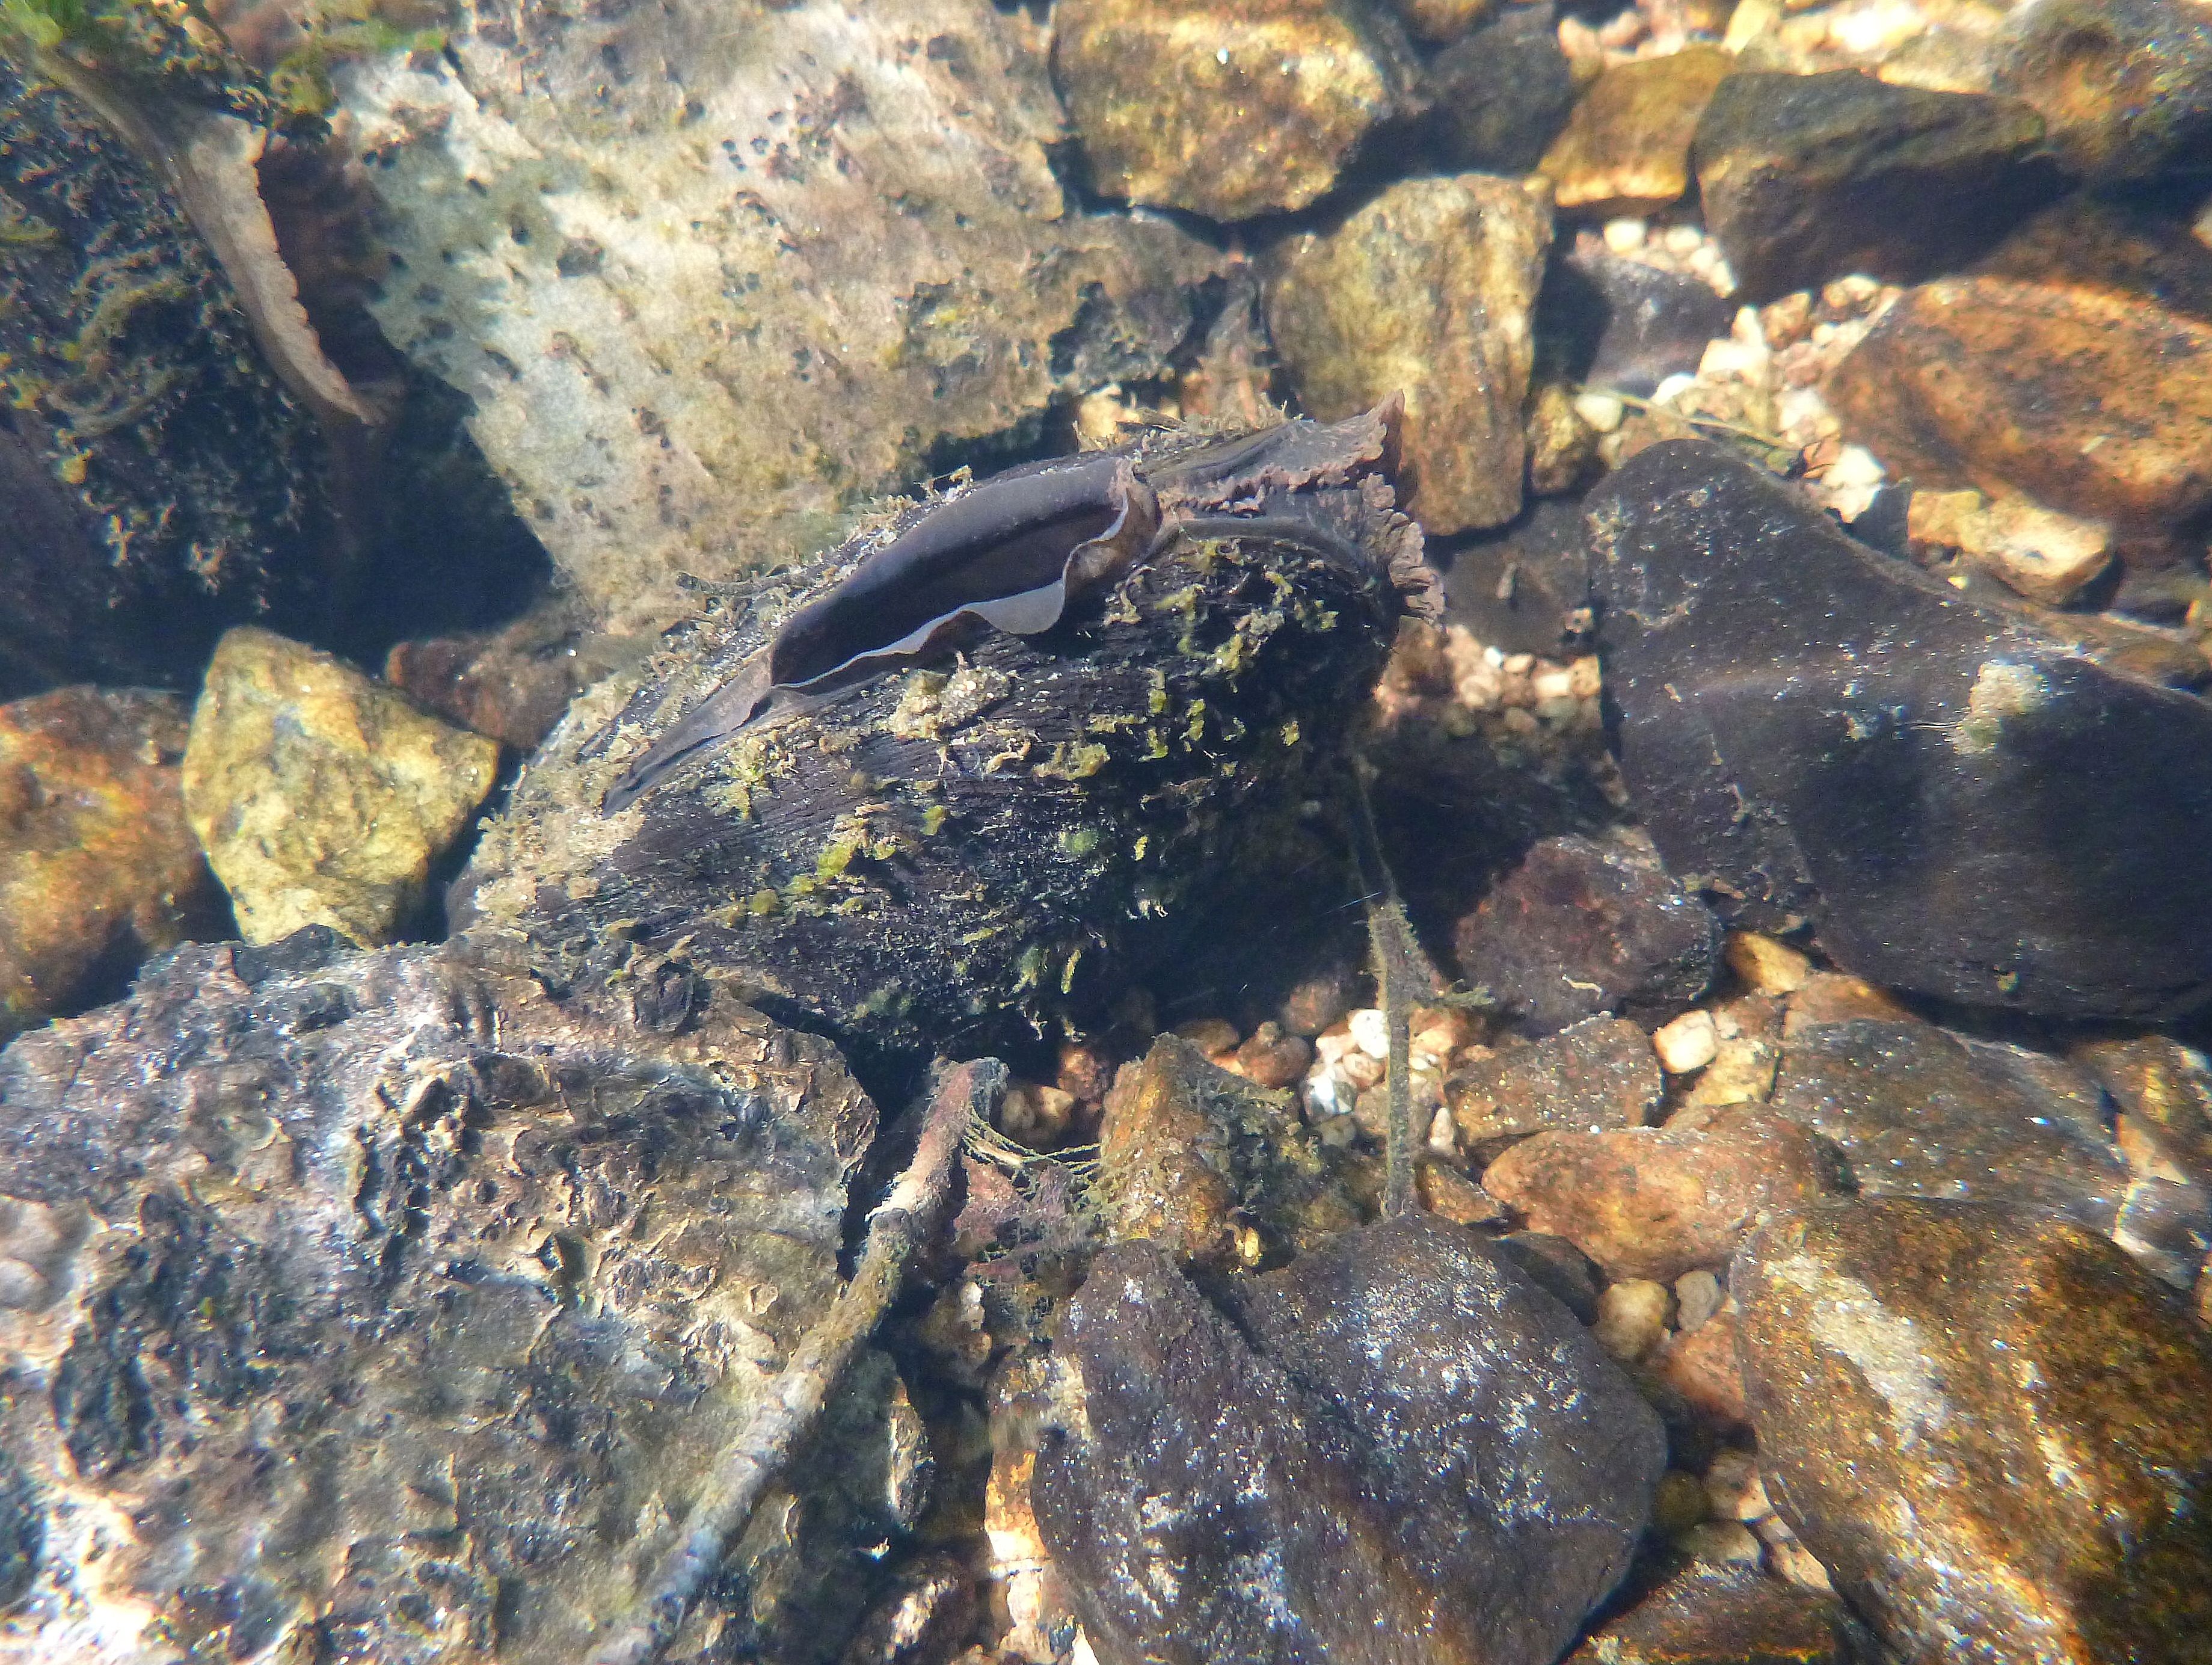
(1961, 801)
(1400, 1449)
(1920, 1113)
(1989, 1428)
(2125, 85)
(1597, 1073)
(1806, 178)
(1585, 926)
(1710, 1615)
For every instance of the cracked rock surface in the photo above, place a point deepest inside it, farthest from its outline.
(380, 1307)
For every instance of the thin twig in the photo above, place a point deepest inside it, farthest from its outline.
(905, 1219)
(1400, 967)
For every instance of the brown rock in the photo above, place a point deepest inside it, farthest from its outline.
(1807, 178)
(1212, 1167)
(2068, 367)
(511, 683)
(1656, 1202)
(1442, 20)
(1837, 997)
(1427, 290)
(2126, 85)
(1715, 1615)
(1451, 1196)
(1921, 1113)
(97, 867)
(1626, 147)
(1597, 1073)
(1227, 112)
(1585, 926)
(2039, 553)
(1699, 1368)
(2163, 1088)
(1987, 1426)
(1269, 1058)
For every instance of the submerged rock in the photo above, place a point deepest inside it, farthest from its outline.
(1989, 1428)
(921, 857)
(1962, 800)
(713, 272)
(1396, 1448)
(1920, 1113)
(1583, 926)
(2066, 366)
(1596, 1073)
(1627, 326)
(1657, 1202)
(1228, 111)
(405, 1306)
(1709, 1615)
(98, 868)
(1626, 147)
(160, 482)
(2126, 85)
(1499, 97)
(1807, 177)
(322, 797)
(1427, 291)
(1214, 1170)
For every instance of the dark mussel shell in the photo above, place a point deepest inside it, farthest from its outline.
(996, 815)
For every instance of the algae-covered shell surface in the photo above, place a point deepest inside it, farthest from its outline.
(990, 826)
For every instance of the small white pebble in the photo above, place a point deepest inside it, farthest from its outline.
(1520, 665)
(1370, 1031)
(1586, 678)
(1681, 240)
(1688, 1043)
(1720, 274)
(1362, 1069)
(1855, 466)
(1556, 683)
(1624, 236)
(1697, 1296)
(1631, 1317)
(1080, 1653)
(1443, 1132)
(1672, 388)
(1600, 411)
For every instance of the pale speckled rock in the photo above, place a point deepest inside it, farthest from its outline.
(1427, 290)
(322, 797)
(1922, 1113)
(1395, 1449)
(1989, 1428)
(1226, 111)
(97, 866)
(381, 1307)
(711, 273)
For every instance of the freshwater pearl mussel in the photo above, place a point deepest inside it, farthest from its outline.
(991, 757)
